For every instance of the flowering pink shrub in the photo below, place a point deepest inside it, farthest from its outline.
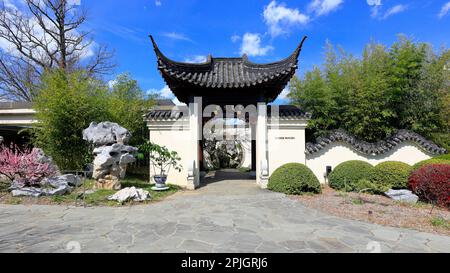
(23, 166)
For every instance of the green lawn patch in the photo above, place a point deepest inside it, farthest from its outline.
(97, 198)
(440, 222)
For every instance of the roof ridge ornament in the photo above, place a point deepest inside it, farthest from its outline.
(300, 46)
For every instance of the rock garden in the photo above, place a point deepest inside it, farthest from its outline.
(390, 194)
(28, 176)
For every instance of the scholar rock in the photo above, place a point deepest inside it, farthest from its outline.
(112, 155)
(402, 196)
(29, 192)
(68, 179)
(133, 194)
(110, 165)
(106, 133)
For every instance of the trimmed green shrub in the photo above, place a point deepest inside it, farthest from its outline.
(66, 104)
(436, 160)
(346, 175)
(445, 157)
(391, 175)
(295, 179)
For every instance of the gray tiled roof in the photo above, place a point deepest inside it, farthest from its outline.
(285, 111)
(227, 74)
(381, 147)
(165, 114)
(164, 102)
(289, 111)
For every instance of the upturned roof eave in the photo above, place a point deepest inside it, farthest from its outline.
(288, 61)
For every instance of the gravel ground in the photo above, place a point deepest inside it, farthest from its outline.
(378, 209)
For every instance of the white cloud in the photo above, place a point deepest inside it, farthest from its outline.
(176, 36)
(285, 93)
(177, 102)
(279, 18)
(111, 83)
(376, 7)
(235, 38)
(196, 59)
(251, 45)
(74, 2)
(9, 4)
(394, 10)
(444, 10)
(164, 92)
(158, 3)
(324, 7)
(374, 2)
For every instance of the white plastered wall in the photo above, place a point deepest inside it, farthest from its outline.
(339, 152)
(286, 143)
(176, 136)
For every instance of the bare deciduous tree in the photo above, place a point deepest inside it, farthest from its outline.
(40, 35)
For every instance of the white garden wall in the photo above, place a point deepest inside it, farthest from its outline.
(176, 136)
(339, 152)
(286, 143)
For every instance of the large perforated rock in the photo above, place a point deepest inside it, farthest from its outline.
(112, 155)
(106, 133)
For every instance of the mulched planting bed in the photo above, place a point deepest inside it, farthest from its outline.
(98, 198)
(380, 210)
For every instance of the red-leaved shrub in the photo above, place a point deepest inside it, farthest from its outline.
(23, 165)
(432, 183)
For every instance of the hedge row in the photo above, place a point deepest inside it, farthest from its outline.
(429, 179)
(362, 176)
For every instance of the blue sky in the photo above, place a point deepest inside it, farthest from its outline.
(188, 30)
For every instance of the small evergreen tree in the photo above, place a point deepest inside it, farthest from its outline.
(405, 86)
(127, 104)
(66, 104)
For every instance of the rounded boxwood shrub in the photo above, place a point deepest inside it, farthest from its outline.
(432, 184)
(347, 175)
(444, 159)
(391, 175)
(295, 179)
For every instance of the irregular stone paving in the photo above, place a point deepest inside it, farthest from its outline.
(227, 216)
